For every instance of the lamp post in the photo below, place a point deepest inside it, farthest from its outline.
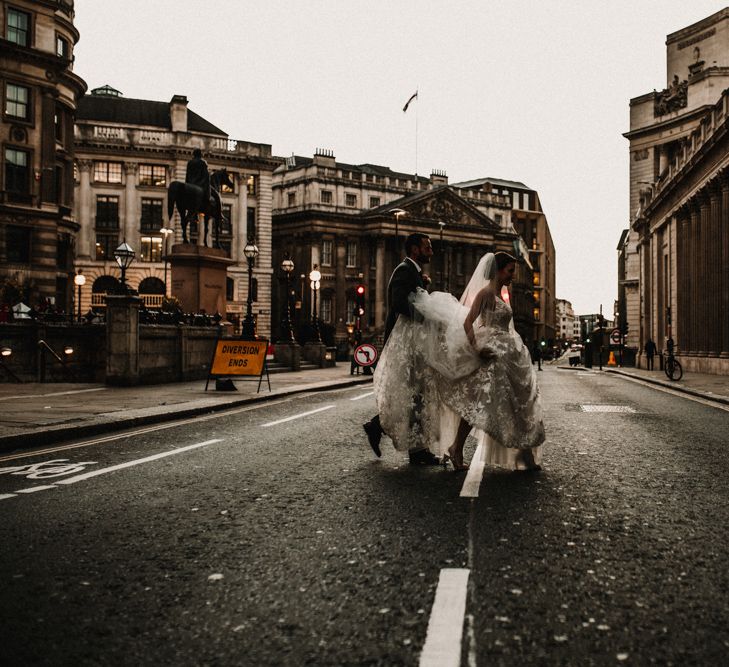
(124, 256)
(165, 231)
(249, 326)
(398, 213)
(287, 334)
(315, 284)
(79, 280)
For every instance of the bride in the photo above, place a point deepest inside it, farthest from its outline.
(473, 372)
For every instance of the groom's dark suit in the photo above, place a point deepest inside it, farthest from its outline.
(405, 280)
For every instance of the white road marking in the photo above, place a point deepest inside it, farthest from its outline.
(136, 462)
(303, 414)
(55, 393)
(445, 628)
(472, 483)
(142, 431)
(356, 398)
(3, 496)
(33, 489)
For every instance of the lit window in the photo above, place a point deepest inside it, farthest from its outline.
(17, 172)
(151, 248)
(61, 47)
(106, 243)
(536, 314)
(252, 184)
(326, 197)
(152, 174)
(228, 189)
(17, 101)
(351, 253)
(350, 199)
(537, 278)
(108, 172)
(326, 253)
(17, 28)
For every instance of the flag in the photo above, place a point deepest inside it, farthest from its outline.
(414, 96)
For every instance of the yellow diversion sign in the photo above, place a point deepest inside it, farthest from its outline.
(239, 357)
(235, 357)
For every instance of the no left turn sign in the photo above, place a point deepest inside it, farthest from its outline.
(365, 354)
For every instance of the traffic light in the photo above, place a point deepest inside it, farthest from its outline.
(360, 302)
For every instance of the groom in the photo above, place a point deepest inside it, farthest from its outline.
(405, 279)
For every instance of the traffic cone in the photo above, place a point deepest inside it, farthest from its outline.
(611, 359)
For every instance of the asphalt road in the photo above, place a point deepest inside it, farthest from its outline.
(245, 540)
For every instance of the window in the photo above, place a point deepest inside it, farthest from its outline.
(350, 199)
(226, 226)
(228, 189)
(498, 218)
(58, 118)
(17, 244)
(153, 174)
(17, 28)
(537, 278)
(108, 172)
(374, 202)
(536, 296)
(106, 243)
(525, 200)
(351, 307)
(292, 199)
(17, 171)
(151, 250)
(17, 101)
(252, 184)
(151, 220)
(61, 47)
(107, 212)
(251, 224)
(326, 197)
(229, 289)
(326, 253)
(536, 314)
(325, 311)
(351, 253)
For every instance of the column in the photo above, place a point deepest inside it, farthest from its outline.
(680, 317)
(131, 219)
(380, 284)
(712, 284)
(693, 276)
(724, 263)
(86, 237)
(240, 229)
(702, 264)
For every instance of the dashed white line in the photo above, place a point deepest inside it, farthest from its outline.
(356, 398)
(33, 489)
(302, 414)
(4, 496)
(472, 483)
(129, 464)
(445, 628)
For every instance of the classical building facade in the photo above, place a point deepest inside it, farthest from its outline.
(568, 325)
(39, 97)
(679, 189)
(128, 151)
(351, 221)
(524, 212)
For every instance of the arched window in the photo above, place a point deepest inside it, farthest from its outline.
(102, 286)
(151, 285)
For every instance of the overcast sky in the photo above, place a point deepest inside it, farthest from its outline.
(533, 91)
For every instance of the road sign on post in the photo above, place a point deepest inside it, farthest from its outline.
(616, 337)
(365, 354)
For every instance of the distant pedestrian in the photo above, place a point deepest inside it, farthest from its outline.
(650, 352)
(537, 355)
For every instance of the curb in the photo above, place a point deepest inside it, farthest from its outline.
(669, 385)
(55, 435)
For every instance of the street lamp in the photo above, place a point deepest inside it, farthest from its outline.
(79, 280)
(124, 256)
(165, 231)
(315, 284)
(288, 266)
(249, 326)
(398, 213)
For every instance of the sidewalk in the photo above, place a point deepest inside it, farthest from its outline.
(33, 414)
(704, 385)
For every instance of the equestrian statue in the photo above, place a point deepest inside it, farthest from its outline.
(200, 193)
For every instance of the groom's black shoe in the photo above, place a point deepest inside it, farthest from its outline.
(374, 434)
(424, 457)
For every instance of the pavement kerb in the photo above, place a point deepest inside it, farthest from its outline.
(661, 383)
(54, 435)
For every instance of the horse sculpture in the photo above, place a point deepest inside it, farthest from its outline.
(186, 196)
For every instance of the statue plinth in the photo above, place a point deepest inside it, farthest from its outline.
(198, 277)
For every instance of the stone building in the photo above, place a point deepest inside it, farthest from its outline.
(677, 248)
(128, 151)
(568, 325)
(351, 221)
(39, 97)
(524, 212)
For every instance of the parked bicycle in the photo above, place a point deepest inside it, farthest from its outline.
(671, 365)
